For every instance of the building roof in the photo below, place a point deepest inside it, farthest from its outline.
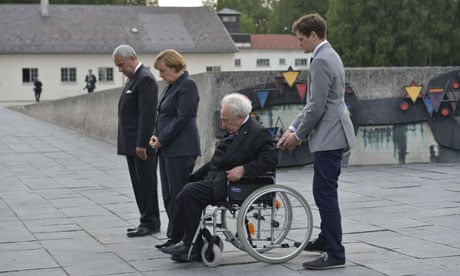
(228, 11)
(100, 28)
(273, 42)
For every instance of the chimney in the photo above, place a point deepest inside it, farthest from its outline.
(44, 8)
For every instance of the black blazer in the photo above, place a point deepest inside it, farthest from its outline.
(252, 148)
(176, 127)
(136, 112)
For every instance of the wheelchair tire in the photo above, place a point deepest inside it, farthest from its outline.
(211, 257)
(278, 232)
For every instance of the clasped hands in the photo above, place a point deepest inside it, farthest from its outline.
(154, 142)
(288, 141)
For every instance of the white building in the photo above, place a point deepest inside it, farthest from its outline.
(258, 52)
(275, 52)
(59, 43)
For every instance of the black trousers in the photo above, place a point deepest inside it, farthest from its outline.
(190, 202)
(174, 174)
(326, 174)
(144, 182)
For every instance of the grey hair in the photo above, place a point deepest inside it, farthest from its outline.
(124, 51)
(239, 104)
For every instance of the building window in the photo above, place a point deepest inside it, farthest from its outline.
(69, 74)
(263, 62)
(212, 68)
(229, 18)
(237, 62)
(301, 62)
(29, 74)
(282, 61)
(105, 74)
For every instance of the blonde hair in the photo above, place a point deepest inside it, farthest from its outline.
(170, 58)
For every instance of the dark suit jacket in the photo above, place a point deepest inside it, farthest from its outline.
(252, 148)
(136, 112)
(176, 125)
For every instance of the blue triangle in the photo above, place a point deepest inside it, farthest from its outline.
(428, 105)
(262, 96)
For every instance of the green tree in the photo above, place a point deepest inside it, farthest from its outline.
(285, 12)
(394, 32)
(253, 13)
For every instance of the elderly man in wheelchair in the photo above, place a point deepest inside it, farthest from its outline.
(247, 150)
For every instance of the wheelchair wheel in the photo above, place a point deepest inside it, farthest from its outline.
(274, 224)
(211, 254)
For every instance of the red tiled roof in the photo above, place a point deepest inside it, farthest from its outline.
(274, 41)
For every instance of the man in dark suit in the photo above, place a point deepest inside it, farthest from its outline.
(90, 80)
(326, 122)
(136, 120)
(247, 150)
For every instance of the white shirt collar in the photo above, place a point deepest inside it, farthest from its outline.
(137, 67)
(313, 55)
(245, 120)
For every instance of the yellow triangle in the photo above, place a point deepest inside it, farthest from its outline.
(290, 77)
(413, 92)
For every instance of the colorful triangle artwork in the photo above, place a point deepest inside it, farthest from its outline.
(290, 76)
(262, 96)
(451, 96)
(301, 90)
(279, 84)
(414, 91)
(428, 105)
(436, 95)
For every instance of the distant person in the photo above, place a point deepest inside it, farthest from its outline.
(326, 122)
(37, 89)
(90, 80)
(136, 121)
(176, 136)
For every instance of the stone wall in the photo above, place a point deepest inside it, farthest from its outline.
(96, 114)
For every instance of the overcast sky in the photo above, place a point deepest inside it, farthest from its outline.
(180, 3)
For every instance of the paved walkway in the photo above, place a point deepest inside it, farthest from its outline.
(66, 201)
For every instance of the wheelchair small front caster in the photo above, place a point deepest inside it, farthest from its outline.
(211, 254)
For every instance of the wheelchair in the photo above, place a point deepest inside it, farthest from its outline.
(273, 222)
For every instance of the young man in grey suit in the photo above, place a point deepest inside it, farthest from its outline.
(326, 122)
(136, 120)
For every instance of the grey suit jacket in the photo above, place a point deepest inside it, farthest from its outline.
(325, 118)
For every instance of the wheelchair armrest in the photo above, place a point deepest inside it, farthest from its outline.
(239, 190)
(264, 179)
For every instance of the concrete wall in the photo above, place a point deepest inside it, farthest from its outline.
(96, 114)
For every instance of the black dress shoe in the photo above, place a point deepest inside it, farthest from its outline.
(316, 245)
(131, 229)
(177, 249)
(324, 262)
(166, 244)
(140, 231)
(183, 258)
